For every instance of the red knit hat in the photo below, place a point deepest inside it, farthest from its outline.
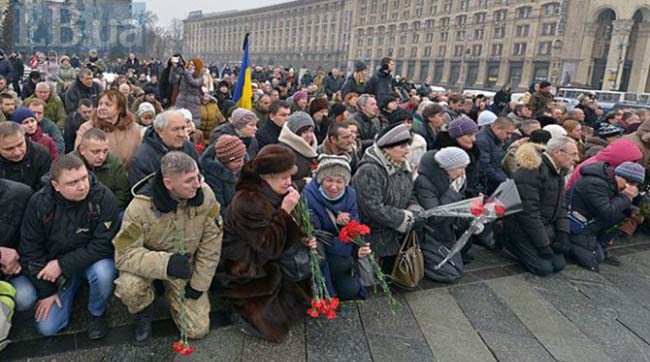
(229, 148)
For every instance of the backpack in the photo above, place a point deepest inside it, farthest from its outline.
(7, 305)
(434, 252)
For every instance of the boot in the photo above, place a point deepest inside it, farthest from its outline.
(142, 332)
(97, 327)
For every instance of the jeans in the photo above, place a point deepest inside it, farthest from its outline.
(100, 277)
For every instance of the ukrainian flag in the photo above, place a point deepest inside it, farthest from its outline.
(244, 89)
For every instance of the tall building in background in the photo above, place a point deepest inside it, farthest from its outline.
(486, 44)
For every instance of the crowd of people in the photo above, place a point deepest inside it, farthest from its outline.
(159, 184)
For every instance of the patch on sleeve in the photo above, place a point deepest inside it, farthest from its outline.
(127, 237)
(215, 212)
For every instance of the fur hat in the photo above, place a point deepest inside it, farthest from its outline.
(299, 120)
(332, 165)
(241, 117)
(393, 135)
(631, 172)
(462, 126)
(318, 105)
(274, 159)
(229, 148)
(450, 158)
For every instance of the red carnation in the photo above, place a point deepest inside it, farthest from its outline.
(334, 303)
(313, 166)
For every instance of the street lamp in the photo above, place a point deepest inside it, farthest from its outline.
(622, 48)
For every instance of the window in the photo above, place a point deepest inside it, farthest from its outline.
(416, 38)
(523, 12)
(389, 52)
(500, 32)
(482, 3)
(461, 20)
(476, 50)
(400, 53)
(464, 5)
(407, 14)
(414, 52)
(429, 24)
(427, 51)
(551, 9)
(447, 7)
(416, 26)
(545, 48)
(434, 9)
(549, 28)
(402, 39)
(500, 15)
(442, 50)
(478, 34)
(458, 51)
(460, 35)
(522, 30)
(403, 27)
(379, 53)
(497, 49)
(429, 38)
(520, 49)
(479, 18)
(444, 36)
(444, 22)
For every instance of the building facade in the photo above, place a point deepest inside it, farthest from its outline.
(485, 44)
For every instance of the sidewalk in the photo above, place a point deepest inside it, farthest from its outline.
(495, 313)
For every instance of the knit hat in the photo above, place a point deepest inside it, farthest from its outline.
(223, 83)
(21, 114)
(299, 95)
(299, 120)
(318, 105)
(150, 89)
(540, 136)
(64, 57)
(608, 130)
(462, 126)
(229, 148)
(332, 165)
(274, 159)
(393, 135)
(241, 117)
(486, 118)
(555, 130)
(385, 101)
(146, 107)
(338, 109)
(631, 172)
(399, 116)
(450, 158)
(544, 84)
(359, 66)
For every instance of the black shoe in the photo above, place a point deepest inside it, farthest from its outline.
(613, 260)
(142, 332)
(97, 327)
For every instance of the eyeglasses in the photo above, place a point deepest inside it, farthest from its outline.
(571, 154)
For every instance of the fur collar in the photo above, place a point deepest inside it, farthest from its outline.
(529, 155)
(122, 124)
(298, 144)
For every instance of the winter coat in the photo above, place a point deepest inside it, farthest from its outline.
(78, 91)
(386, 202)
(147, 157)
(211, 116)
(306, 155)
(418, 149)
(98, 68)
(380, 85)
(539, 103)
(368, 129)
(220, 179)
(326, 148)
(76, 233)
(351, 86)
(112, 174)
(6, 70)
(46, 141)
(641, 137)
(591, 117)
(13, 198)
(338, 285)
(123, 139)
(65, 75)
(49, 128)
(227, 128)
(154, 222)
(262, 116)
(541, 188)
(256, 232)
(473, 186)
(492, 153)
(72, 124)
(614, 154)
(34, 165)
(332, 85)
(190, 92)
(510, 164)
(593, 145)
(268, 134)
(54, 109)
(428, 134)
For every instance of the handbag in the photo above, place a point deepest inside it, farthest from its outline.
(409, 264)
(294, 263)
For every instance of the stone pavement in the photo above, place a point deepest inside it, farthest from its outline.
(495, 313)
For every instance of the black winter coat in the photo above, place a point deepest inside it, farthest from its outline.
(6, 70)
(71, 125)
(267, 134)
(78, 91)
(77, 234)
(252, 146)
(351, 86)
(544, 214)
(147, 157)
(220, 179)
(492, 153)
(35, 164)
(427, 133)
(473, 185)
(13, 200)
(368, 129)
(380, 85)
(332, 85)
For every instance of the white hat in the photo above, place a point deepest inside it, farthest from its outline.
(486, 118)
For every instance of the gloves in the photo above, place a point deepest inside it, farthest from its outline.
(562, 244)
(191, 293)
(418, 222)
(545, 252)
(179, 266)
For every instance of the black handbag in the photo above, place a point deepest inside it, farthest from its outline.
(295, 263)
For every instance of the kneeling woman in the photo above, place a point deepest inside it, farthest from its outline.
(258, 227)
(333, 204)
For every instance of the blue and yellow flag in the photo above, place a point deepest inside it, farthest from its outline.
(244, 89)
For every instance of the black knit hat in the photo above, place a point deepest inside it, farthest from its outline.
(386, 100)
(274, 159)
(540, 136)
(359, 66)
(399, 116)
(338, 109)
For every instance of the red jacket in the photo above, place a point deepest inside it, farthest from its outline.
(46, 141)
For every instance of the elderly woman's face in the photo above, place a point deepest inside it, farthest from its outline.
(333, 186)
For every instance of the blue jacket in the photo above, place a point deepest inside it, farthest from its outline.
(492, 153)
(320, 219)
(220, 179)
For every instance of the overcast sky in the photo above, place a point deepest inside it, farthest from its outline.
(169, 9)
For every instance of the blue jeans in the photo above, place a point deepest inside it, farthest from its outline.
(100, 277)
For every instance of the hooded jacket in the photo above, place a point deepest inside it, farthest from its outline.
(211, 116)
(474, 186)
(541, 188)
(386, 202)
(641, 138)
(220, 179)
(46, 141)
(76, 233)
(190, 92)
(78, 91)
(306, 155)
(54, 108)
(30, 169)
(380, 84)
(593, 145)
(148, 156)
(614, 154)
